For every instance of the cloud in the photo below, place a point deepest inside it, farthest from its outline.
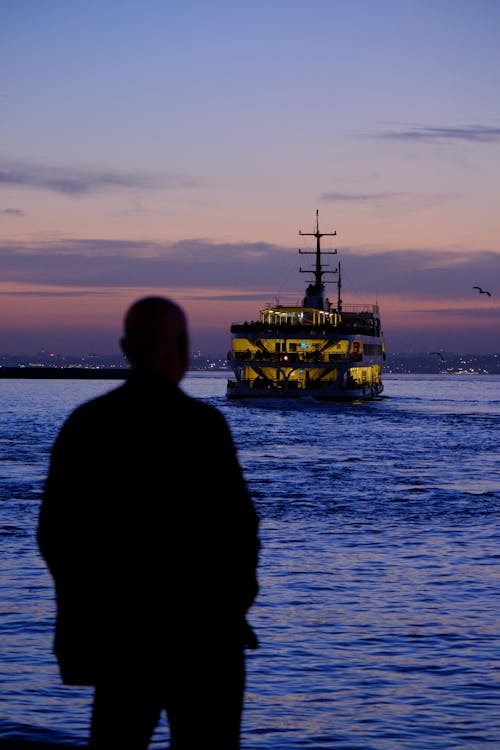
(429, 134)
(421, 273)
(400, 202)
(72, 181)
(38, 293)
(11, 212)
(461, 312)
(246, 271)
(360, 197)
(113, 263)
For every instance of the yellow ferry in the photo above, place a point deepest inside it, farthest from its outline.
(317, 349)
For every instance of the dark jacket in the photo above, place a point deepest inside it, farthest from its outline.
(148, 530)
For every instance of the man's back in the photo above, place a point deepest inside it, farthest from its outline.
(147, 525)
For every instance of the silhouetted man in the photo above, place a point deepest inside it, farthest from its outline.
(151, 537)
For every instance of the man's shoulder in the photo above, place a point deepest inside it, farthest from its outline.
(128, 401)
(104, 402)
(203, 408)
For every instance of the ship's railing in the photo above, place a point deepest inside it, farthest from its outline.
(257, 326)
(367, 326)
(370, 309)
(289, 358)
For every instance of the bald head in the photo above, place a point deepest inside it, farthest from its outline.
(155, 338)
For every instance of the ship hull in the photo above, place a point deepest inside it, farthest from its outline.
(239, 391)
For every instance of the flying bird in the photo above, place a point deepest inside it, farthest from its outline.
(482, 291)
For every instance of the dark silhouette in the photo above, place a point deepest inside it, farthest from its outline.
(151, 537)
(482, 291)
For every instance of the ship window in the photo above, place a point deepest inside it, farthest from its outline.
(373, 349)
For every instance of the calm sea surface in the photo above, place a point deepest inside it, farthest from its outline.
(378, 615)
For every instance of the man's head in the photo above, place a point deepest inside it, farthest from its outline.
(155, 338)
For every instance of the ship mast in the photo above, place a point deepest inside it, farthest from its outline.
(339, 288)
(314, 293)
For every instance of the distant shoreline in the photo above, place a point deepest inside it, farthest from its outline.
(74, 373)
(397, 364)
(66, 373)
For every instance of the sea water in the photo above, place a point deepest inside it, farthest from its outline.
(378, 614)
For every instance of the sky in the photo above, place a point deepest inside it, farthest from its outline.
(178, 147)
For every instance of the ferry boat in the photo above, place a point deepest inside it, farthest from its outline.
(317, 349)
